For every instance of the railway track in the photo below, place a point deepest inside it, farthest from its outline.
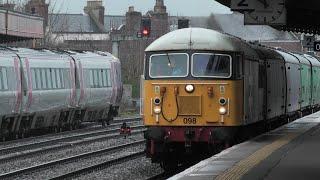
(115, 123)
(12, 153)
(79, 157)
(100, 166)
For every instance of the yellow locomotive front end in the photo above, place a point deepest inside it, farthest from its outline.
(193, 103)
(192, 98)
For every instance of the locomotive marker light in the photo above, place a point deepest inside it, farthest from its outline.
(222, 111)
(157, 110)
(189, 88)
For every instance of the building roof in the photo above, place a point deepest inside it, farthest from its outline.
(232, 24)
(82, 23)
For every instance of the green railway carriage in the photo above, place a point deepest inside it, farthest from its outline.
(306, 82)
(315, 80)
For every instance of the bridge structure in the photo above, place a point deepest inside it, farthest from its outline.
(17, 26)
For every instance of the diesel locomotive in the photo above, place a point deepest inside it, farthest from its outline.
(203, 90)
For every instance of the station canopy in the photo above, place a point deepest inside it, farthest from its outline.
(288, 15)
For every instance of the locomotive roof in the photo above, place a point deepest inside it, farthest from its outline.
(198, 39)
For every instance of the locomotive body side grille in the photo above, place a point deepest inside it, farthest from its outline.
(189, 105)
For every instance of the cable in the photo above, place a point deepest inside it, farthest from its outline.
(177, 105)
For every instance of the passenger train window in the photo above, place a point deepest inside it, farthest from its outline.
(1, 80)
(40, 86)
(59, 81)
(34, 79)
(43, 79)
(109, 78)
(5, 78)
(99, 78)
(95, 78)
(54, 79)
(37, 79)
(104, 78)
(62, 80)
(211, 65)
(49, 78)
(91, 78)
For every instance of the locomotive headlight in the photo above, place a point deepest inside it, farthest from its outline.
(157, 110)
(222, 110)
(189, 88)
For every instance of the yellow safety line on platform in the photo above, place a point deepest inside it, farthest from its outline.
(245, 165)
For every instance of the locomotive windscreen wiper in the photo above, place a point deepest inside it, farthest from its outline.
(169, 64)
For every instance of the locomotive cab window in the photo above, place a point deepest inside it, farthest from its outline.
(211, 65)
(169, 65)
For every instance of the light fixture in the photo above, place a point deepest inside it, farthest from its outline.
(222, 110)
(157, 110)
(189, 88)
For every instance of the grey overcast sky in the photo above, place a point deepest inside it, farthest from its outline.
(119, 7)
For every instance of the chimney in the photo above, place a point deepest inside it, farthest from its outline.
(96, 10)
(160, 7)
(131, 9)
(38, 7)
(133, 21)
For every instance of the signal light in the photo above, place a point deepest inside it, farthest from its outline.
(145, 27)
(145, 32)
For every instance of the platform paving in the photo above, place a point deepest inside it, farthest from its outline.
(288, 152)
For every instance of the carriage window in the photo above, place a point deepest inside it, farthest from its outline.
(1, 80)
(54, 79)
(91, 78)
(62, 71)
(104, 78)
(58, 73)
(5, 79)
(44, 78)
(169, 65)
(49, 79)
(211, 65)
(109, 78)
(34, 80)
(95, 78)
(99, 78)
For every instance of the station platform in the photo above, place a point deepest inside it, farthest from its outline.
(288, 152)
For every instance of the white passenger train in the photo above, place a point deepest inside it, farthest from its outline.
(56, 89)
